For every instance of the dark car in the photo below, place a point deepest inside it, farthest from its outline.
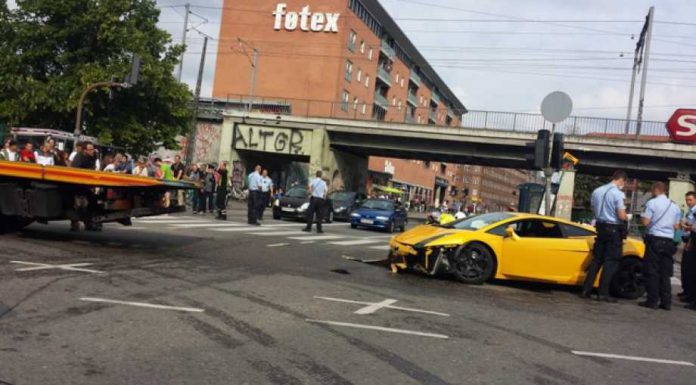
(383, 214)
(294, 205)
(344, 202)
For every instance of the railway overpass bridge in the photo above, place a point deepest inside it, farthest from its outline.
(341, 147)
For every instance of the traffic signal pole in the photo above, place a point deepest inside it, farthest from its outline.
(641, 101)
(548, 173)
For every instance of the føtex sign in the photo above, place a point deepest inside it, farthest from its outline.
(277, 140)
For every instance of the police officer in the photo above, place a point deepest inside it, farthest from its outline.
(688, 265)
(254, 198)
(610, 216)
(266, 191)
(222, 191)
(660, 218)
(317, 202)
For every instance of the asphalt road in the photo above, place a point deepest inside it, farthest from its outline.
(272, 305)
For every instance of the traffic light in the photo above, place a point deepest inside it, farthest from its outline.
(558, 151)
(538, 157)
(134, 75)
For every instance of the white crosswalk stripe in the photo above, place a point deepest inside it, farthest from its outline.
(204, 225)
(171, 221)
(358, 242)
(278, 233)
(317, 237)
(383, 247)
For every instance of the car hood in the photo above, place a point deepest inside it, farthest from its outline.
(428, 235)
(347, 203)
(293, 202)
(371, 213)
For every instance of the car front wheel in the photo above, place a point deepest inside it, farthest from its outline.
(628, 280)
(472, 263)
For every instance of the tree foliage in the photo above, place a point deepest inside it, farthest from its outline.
(51, 51)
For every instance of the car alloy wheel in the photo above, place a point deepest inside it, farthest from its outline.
(628, 280)
(472, 263)
(391, 227)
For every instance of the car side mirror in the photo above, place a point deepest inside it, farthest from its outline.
(510, 233)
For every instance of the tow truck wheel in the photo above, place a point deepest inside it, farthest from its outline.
(11, 224)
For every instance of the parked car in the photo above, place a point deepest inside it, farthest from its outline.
(383, 214)
(294, 205)
(344, 203)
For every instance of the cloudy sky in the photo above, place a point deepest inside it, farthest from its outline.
(506, 55)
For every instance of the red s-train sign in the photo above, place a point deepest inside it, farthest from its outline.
(682, 126)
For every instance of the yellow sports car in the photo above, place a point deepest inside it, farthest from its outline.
(513, 246)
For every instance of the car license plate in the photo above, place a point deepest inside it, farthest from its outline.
(288, 209)
(367, 221)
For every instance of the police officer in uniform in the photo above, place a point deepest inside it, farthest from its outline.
(317, 202)
(610, 217)
(254, 198)
(660, 218)
(688, 265)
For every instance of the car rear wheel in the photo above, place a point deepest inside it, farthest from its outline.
(11, 224)
(628, 281)
(391, 227)
(472, 263)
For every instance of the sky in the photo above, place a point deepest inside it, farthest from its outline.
(506, 55)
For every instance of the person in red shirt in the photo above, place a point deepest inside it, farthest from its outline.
(27, 153)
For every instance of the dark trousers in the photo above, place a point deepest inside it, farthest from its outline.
(688, 271)
(316, 209)
(658, 267)
(209, 198)
(198, 201)
(265, 196)
(253, 202)
(221, 202)
(606, 255)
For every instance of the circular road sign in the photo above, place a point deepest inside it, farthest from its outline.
(556, 107)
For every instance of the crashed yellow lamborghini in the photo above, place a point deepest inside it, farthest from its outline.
(513, 246)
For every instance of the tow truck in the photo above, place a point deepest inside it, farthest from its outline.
(35, 193)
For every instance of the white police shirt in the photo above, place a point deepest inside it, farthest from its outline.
(663, 215)
(606, 200)
(318, 187)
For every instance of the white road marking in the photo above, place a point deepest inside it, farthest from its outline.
(388, 307)
(306, 243)
(380, 328)
(279, 245)
(317, 237)
(242, 229)
(209, 224)
(357, 242)
(278, 233)
(46, 266)
(142, 304)
(383, 247)
(171, 221)
(130, 228)
(371, 308)
(632, 358)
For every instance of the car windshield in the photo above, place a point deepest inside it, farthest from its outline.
(342, 196)
(478, 221)
(297, 192)
(378, 205)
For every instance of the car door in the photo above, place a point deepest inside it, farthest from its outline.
(539, 250)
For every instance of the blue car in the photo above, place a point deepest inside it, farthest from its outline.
(380, 214)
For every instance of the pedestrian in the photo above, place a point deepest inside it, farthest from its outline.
(27, 153)
(44, 155)
(266, 191)
(87, 160)
(688, 264)
(208, 189)
(222, 191)
(123, 164)
(76, 150)
(178, 169)
(140, 168)
(660, 218)
(9, 152)
(197, 177)
(610, 214)
(254, 199)
(317, 189)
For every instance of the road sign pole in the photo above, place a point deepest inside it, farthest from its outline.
(548, 173)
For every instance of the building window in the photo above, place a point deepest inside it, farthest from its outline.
(421, 99)
(397, 77)
(362, 46)
(399, 105)
(349, 70)
(369, 54)
(363, 109)
(394, 101)
(345, 99)
(355, 104)
(351, 41)
(402, 82)
(358, 77)
(419, 118)
(367, 80)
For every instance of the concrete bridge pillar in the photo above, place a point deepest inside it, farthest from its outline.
(678, 187)
(343, 170)
(564, 198)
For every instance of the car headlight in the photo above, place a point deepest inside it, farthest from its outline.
(304, 206)
(381, 218)
(341, 208)
(355, 215)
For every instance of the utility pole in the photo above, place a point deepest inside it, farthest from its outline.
(192, 138)
(636, 64)
(252, 85)
(187, 6)
(646, 56)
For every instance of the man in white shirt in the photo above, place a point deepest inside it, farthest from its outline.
(266, 192)
(10, 152)
(317, 202)
(44, 156)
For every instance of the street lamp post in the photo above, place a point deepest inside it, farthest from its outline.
(253, 60)
(78, 118)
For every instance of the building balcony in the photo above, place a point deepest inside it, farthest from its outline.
(381, 101)
(414, 78)
(410, 119)
(384, 76)
(435, 97)
(433, 116)
(387, 50)
(413, 99)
